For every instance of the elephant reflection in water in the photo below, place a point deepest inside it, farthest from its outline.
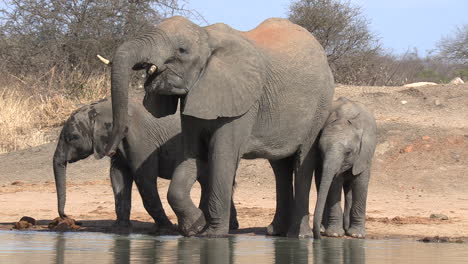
(60, 249)
(292, 251)
(225, 250)
(339, 251)
(182, 250)
(320, 251)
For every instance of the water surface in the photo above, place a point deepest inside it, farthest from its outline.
(86, 247)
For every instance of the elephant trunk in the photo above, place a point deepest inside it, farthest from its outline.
(122, 63)
(329, 170)
(60, 170)
(129, 54)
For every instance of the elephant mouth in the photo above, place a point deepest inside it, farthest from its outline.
(173, 91)
(166, 82)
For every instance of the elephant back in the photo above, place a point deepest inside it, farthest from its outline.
(282, 37)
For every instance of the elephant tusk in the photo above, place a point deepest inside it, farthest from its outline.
(152, 69)
(103, 60)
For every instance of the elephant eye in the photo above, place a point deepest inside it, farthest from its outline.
(70, 138)
(182, 50)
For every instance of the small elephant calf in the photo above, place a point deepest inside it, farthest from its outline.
(347, 144)
(151, 148)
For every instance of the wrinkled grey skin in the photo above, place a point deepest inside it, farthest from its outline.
(150, 149)
(347, 144)
(258, 94)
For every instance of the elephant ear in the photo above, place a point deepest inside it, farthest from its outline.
(365, 123)
(231, 82)
(102, 129)
(160, 105)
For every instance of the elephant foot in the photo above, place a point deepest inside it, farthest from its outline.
(122, 224)
(275, 229)
(358, 232)
(301, 229)
(164, 223)
(213, 233)
(233, 224)
(334, 231)
(192, 225)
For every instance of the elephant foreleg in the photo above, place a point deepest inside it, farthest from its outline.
(121, 180)
(357, 214)
(283, 170)
(191, 219)
(203, 180)
(224, 153)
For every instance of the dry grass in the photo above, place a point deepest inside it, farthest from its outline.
(26, 117)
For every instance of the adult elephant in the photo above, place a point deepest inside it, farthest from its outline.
(151, 149)
(257, 94)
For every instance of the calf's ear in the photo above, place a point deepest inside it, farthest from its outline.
(368, 131)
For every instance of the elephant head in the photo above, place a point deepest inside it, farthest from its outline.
(213, 70)
(85, 132)
(347, 142)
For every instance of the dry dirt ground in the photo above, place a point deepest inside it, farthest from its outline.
(420, 168)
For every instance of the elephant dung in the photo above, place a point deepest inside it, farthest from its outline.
(24, 222)
(28, 219)
(63, 224)
(22, 225)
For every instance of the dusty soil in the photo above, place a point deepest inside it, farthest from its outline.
(420, 168)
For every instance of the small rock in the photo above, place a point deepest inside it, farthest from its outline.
(439, 216)
(419, 84)
(457, 80)
(404, 102)
(425, 138)
(407, 149)
(437, 102)
(435, 239)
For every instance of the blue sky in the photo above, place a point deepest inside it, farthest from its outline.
(400, 24)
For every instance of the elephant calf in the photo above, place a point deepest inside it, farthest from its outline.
(347, 144)
(150, 149)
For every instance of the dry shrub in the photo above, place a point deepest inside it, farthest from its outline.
(17, 120)
(72, 91)
(28, 110)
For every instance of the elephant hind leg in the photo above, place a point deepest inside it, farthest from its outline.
(233, 223)
(283, 170)
(147, 186)
(306, 162)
